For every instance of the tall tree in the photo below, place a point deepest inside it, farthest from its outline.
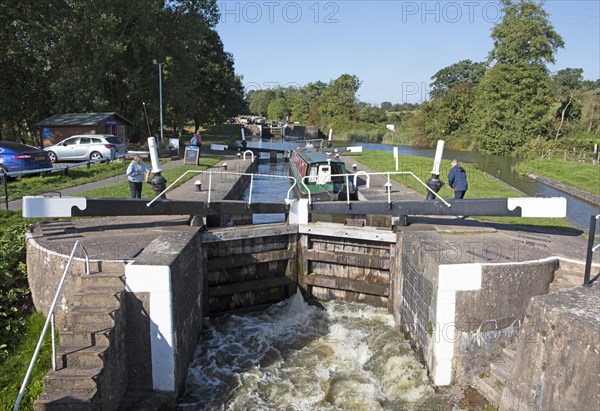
(463, 72)
(339, 98)
(514, 95)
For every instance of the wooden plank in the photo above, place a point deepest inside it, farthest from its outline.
(246, 286)
(247, 259)
(355, 260)
(241, 233)
(345, 284)
(340, 231)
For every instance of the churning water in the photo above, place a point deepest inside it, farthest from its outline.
(294, 356)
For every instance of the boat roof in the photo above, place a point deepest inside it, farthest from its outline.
(313, 156)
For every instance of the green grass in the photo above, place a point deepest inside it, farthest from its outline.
(584, 176)
(14, 367)
(57, 181)
(121, 189)
(481, 185)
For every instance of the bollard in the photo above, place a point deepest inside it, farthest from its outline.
(238, 155)
(224, 166)
(354, 167)
(198, 185)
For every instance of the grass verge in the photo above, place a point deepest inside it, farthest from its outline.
(584, 176)
(481, 185)
(14, 367)
(121, 189)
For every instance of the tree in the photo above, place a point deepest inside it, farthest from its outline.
(514, 95)
(463, 72)
(258, 101)
(278, 108)
(303, 103)
(566, 82)
(524, 35)
(339, 98)
(386, 105)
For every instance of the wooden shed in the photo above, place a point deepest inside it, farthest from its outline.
(60, 126)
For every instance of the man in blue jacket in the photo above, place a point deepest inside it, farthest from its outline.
(457, 180)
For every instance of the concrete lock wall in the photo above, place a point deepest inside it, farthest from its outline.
(45, 269)
(490, 318)
(558, 356)
(459, 316)
(165, 286)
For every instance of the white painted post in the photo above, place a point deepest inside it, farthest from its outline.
(396, 157)
(243, 134)
(153, 155)
(437, 161)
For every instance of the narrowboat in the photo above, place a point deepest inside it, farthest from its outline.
(323, 176)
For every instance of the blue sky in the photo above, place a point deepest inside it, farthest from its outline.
(393, 46)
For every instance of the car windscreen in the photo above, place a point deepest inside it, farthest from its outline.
(18, 147)
(114, 140)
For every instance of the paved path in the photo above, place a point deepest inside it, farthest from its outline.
(72, 191)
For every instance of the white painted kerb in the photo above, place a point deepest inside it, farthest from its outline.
(452, 278)
(156, 280)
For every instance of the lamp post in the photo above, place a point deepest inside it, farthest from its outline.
(160, 97)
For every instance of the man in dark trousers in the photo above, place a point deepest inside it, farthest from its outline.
(457, 180)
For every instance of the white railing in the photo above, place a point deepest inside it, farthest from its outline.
(388, 184)
(591, 249)
(50, 321)
(210, 175)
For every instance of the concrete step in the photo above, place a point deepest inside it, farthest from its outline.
(501, 371)
(573, 277)
(65, 401)
(559, 288)
(71, 379)
(92, 315)
(82, 356)
(509, 355)
(571, 266)
(97, 296)
(489, 387)
(103, 279)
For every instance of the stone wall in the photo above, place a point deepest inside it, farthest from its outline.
(417, 298)
(45, 269)
(490, 318)
(165, 310)
(558, 356)
(460, 315)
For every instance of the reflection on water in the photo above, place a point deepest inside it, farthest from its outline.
(299, 357)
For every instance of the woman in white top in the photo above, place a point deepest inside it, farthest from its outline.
(137, 172)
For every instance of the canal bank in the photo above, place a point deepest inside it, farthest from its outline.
(325, 250)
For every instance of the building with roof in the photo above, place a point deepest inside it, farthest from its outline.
(60, 126)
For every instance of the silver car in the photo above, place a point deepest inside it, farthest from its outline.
(86, 147)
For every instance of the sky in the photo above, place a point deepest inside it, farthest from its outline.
(392, 46)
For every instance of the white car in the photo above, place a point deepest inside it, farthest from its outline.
(86, 147)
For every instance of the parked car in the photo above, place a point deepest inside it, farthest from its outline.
(21, 157)
(86, 147)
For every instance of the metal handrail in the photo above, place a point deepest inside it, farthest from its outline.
(591, 249)
(50, 320)
(369, 179)
(210, 174)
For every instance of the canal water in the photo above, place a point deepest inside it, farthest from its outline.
(293, 356)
